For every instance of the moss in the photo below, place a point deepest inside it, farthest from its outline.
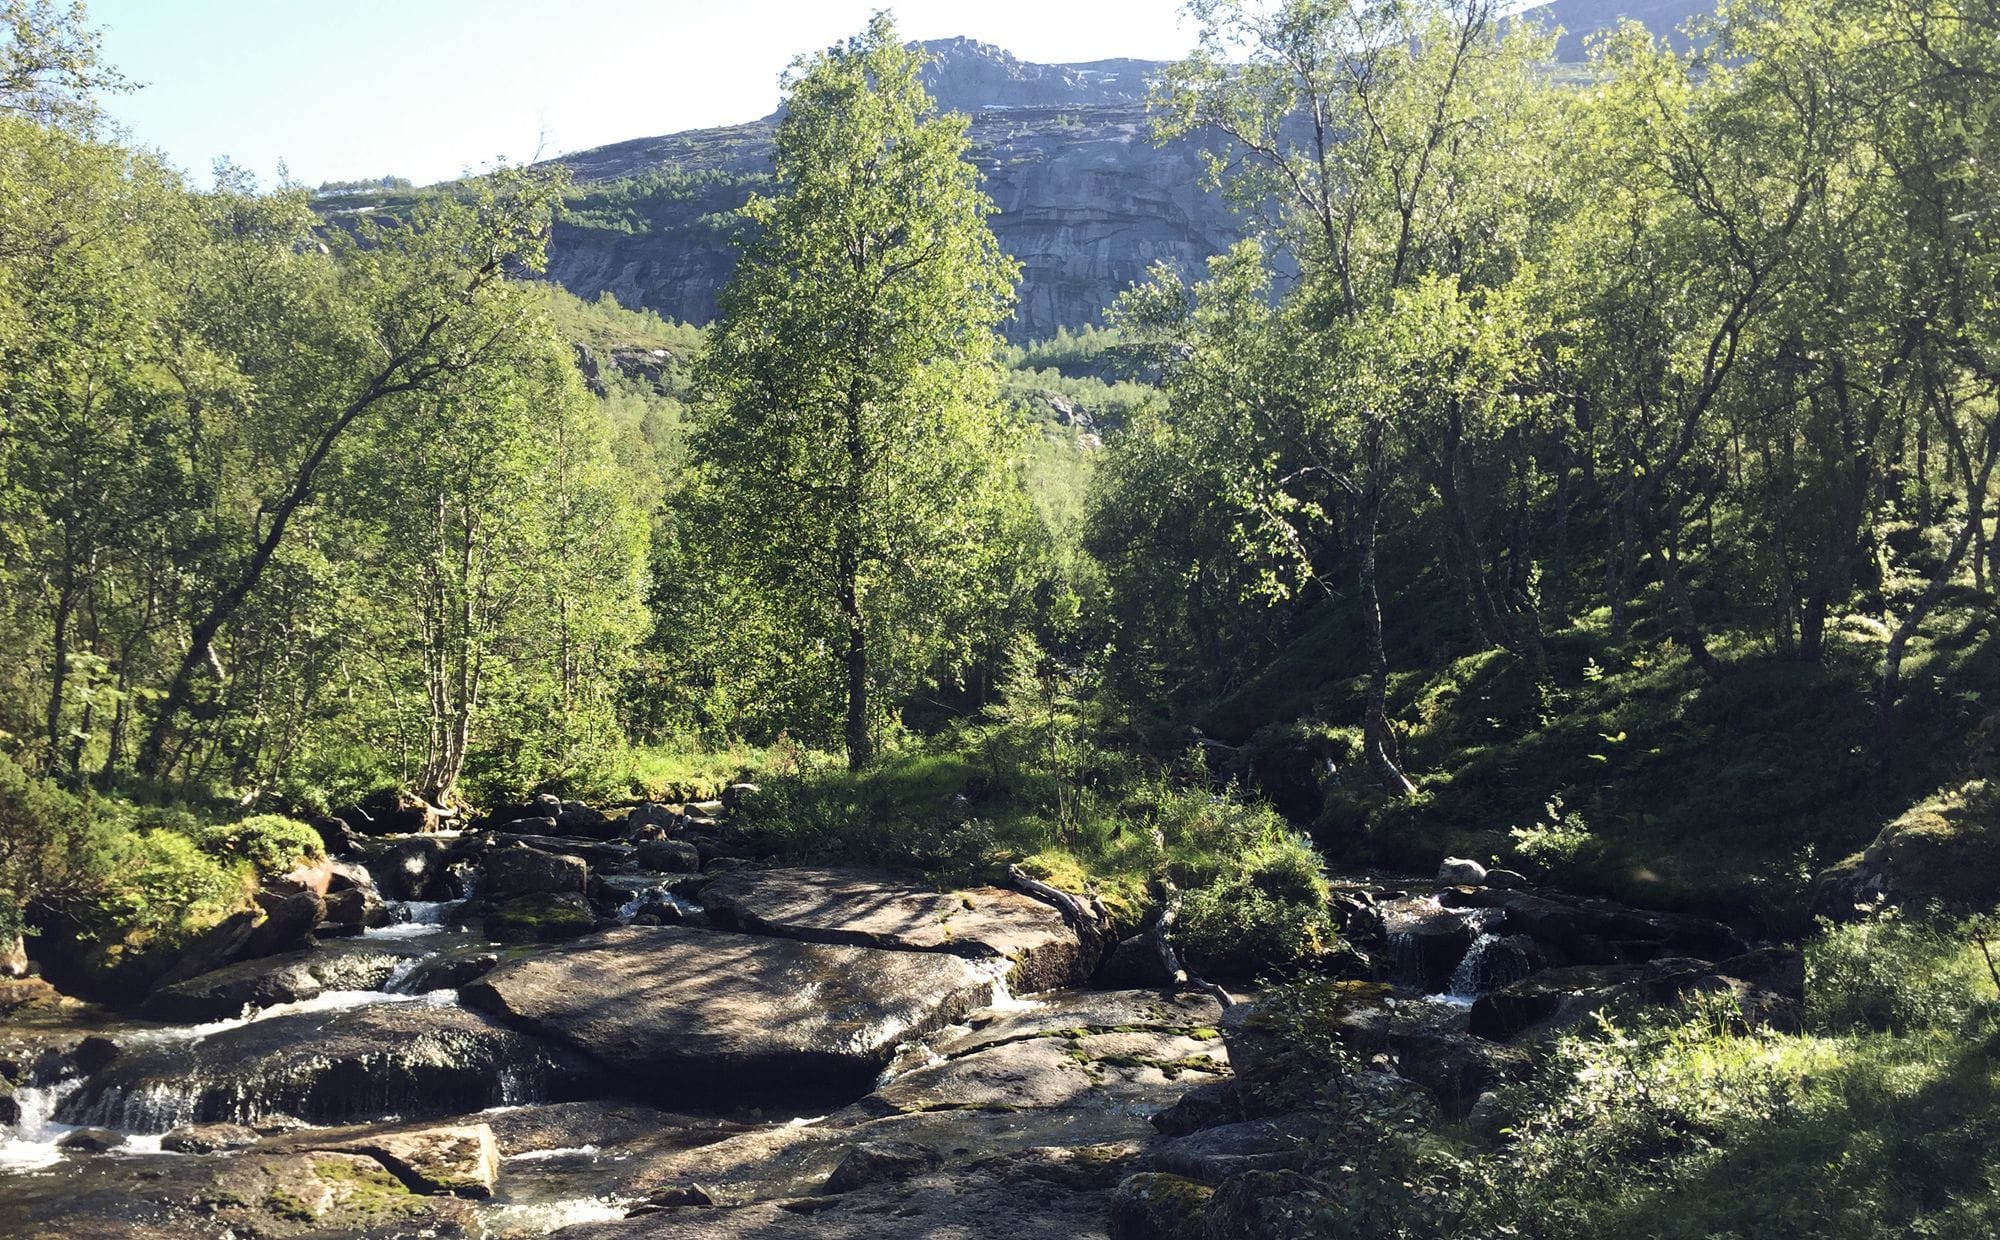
(539, 918)
(366, 1191)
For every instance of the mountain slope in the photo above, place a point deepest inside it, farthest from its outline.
(1087, 202)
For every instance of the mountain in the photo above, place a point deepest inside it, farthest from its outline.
(1087, 202)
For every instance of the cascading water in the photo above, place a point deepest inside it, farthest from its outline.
(30, 1142)
(1493, 961)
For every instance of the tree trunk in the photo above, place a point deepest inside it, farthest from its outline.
(1892, 655)
(1377, 737)
(860, 748)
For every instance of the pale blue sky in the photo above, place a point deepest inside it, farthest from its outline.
(428, 88)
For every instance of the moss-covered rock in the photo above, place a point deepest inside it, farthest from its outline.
(1155, 1206)
(540, 918)
(1943, 850)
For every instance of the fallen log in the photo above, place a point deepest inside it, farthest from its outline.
(1090, 921)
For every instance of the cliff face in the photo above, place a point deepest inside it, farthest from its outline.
(1087, 202)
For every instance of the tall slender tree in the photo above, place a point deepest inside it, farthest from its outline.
(850, 436)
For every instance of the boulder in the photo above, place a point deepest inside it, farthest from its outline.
(650, 814)
(1212, 1155)
(736, 794)
(289, 978)
(452, 970)
(212, 949)
(1426, 942)
(873, 1162)
(1461, 872)
(315, 878)
(1205, 1106)
(1506, 880)
(1943, 850)
(288, 921)
(415, 1059)
(576, 818)
(1269, 1205)
(669, 856)
(417, 869)
(542, 917)
(90, 1141)
(870, 909)
(353, 910)
(687, 1014)
(1155, 1206)
(518, 870)
(323, 1193)
(1134, 962)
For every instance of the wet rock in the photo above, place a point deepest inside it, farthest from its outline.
(208, 1138)
(290, 978)
(518, 870)
(1269, 1205)
(1506, 880)
(540, 918)
(674, 1197)
(325, 1193)
(736, 794)
(288, 921)
(691, 1014)
(1155, 1206)
(1461, 872)
(1426, 942)
(651, 814)
(1601, 931)
(576, 818)
(347, 875)
(416, 1058)
(1204, 1106)
(872, 1162)
(875, 910)
(417, 869)
(461, 1160)
(353, 910)
(452, 970)
(90, 1141)
(669, 856)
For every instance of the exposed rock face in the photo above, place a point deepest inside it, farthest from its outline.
(871, 910)
(688, 1014)
(1087, 202)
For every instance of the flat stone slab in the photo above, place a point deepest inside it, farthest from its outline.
(687, 1015)
(1097, 1011)
(1137, 1071)
(1043, 1194)
(870, 909)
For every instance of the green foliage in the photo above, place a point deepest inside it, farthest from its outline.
(853, 472)
(272, 843)
(1267, 910)
(1895, 973)
(45, 845)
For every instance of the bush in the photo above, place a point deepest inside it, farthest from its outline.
(272, 843)
(1894, 972)
(43, 844)
(1269, 913)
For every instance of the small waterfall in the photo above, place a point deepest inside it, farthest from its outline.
(411, 918)
(30, 1143)
(1493, 961)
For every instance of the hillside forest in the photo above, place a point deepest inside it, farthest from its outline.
(1588, 475)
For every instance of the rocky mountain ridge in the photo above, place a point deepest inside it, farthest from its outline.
(1087, 201)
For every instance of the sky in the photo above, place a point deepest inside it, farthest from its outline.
(428, 89)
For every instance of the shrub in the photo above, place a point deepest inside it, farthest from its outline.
(1268, 910)
(1893, 972)
(43, 843)
(272, 843)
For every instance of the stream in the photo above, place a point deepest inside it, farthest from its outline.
(744, 1051)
